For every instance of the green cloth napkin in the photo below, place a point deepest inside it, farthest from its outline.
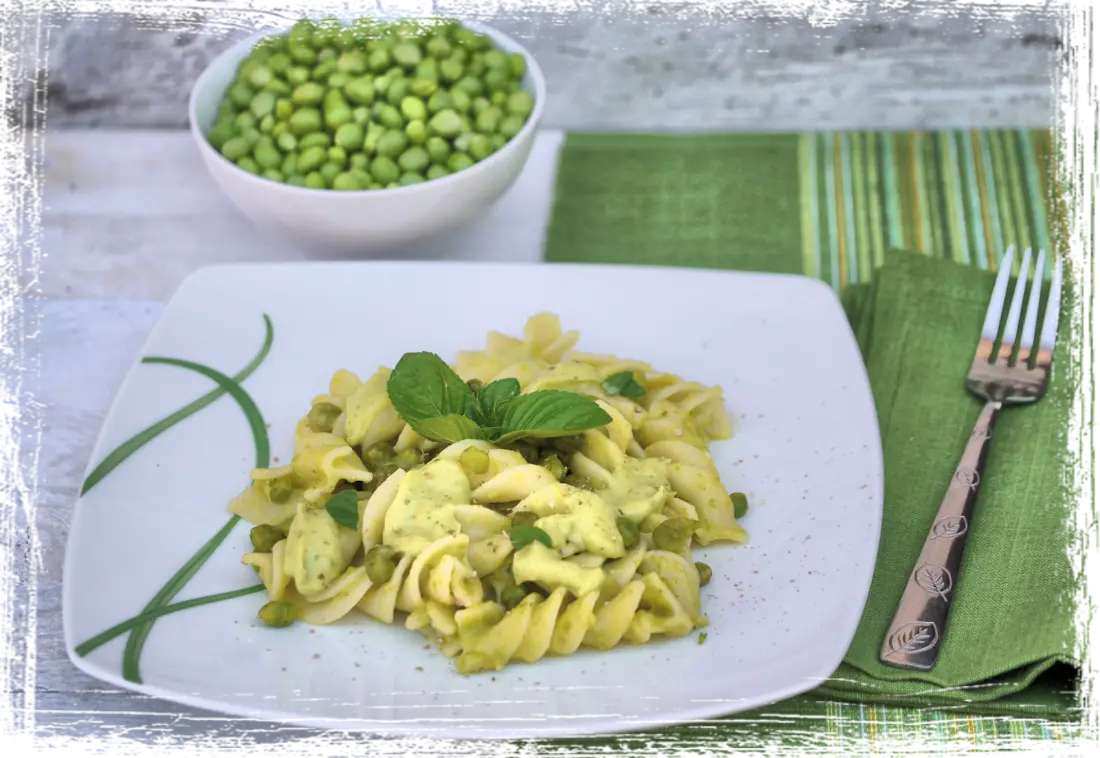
(808, 204)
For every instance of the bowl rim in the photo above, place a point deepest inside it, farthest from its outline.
(203, 81)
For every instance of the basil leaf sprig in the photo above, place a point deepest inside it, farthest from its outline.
(344, 508)
(432, 399)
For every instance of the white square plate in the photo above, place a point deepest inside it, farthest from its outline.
(783, 609)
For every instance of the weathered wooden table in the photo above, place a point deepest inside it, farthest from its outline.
(97, 230)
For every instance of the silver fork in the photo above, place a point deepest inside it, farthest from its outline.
(916, 634)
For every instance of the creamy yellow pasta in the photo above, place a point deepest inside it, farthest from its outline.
(506, 530)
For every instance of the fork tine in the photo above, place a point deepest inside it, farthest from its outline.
(1027, 336)
(1050, 318)
(1012, 323)
(996, 300)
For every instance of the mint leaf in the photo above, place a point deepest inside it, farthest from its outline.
(422, 386)
(522, 536)
(344, 508)
(491, 398)
(449, 428)
(550, 413)
(623, 383)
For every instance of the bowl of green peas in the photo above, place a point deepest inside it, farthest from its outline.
(360, 137)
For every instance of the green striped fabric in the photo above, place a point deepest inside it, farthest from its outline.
(829, 205)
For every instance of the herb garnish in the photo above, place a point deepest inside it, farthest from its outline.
(623, 383)
(432, 399)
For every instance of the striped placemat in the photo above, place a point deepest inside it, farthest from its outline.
(829, 205)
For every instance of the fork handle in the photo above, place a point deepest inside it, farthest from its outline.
(916, 634)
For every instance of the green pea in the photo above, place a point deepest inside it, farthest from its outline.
(226, 110)
(423, 87)
(314, 180)
(495, 59)
(440, 100)
(349, 136)
(284, 108)
(267, 155)
(221, 133)
(705, 573)
(410, 178)
(338, 80)
(498, 98)
(245, 119)
(408, 458)
(392, 143)
(267, 124)
(345, 181)
(374, 133)
(740, 504)
(462, 142)
(380, 562)
(427, 69)
(248, 165)
(263, 104)
(287, 142)
(417, 132)
(480, 104)
(250, 135)
(438, 148)
(512, 595)
(459, 161)
(325, 31)
(435, 171)
(390, 117)
(279, 63)
(524, 518)
(329, 170)
(289, 166)
(497, 141)
(510, 126)
(384, 170)
(438, 47)
(477, 65)
(629, 531)
(360, 90)
(471, 85)
(480, 147)
(304, 121)
(552, 463)
(406, 54)
(296, 180)
(264, 537)
(279, 130)
(311, 158)
(488, 121)
(278, 614)
(302, 31)
(277, 87)
(303, 54)
(337, 154)
(520, 103)
(451, 70)
(323, 70)
(496, 80)
(361, 115)
(462, 101)
(396, 92)
(446, 123)
(578, 481)
(279, 489)
(240, 94)
(353, 62)
(316, 139)
(359, 162)
(518, 65)
(379, 60)
(296, 75)
(673, 534)
(236, 148)
(413, 108)
(337, 117)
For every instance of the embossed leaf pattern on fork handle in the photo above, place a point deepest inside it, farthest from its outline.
(927, 597)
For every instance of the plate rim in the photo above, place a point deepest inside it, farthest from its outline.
(547, 729)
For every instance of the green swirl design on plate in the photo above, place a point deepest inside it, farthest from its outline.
(141, 625)
(142, 438)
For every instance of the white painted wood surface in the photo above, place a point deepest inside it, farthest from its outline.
(127, 216)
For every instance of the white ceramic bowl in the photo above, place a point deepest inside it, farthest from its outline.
(335, 223)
